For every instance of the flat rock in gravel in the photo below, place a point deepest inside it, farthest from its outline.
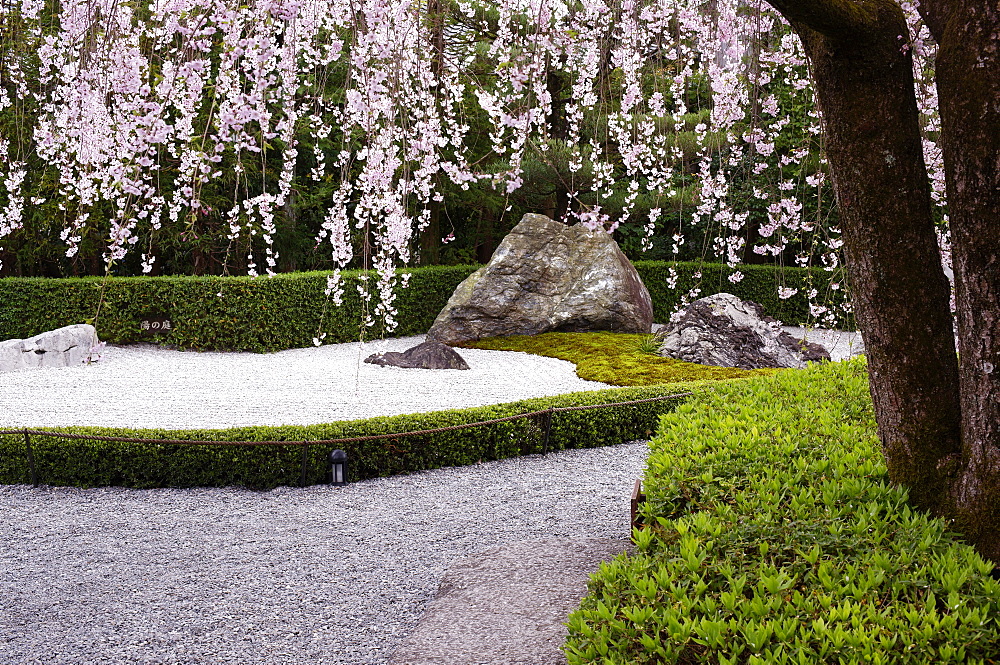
(507, 605)
(68, 346)
(426, 355)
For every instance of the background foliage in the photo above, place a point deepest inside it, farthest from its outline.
(290, 310)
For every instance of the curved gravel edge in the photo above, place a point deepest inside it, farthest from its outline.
(145, 386)
(313, 575)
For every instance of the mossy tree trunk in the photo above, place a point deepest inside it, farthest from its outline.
(938, 424)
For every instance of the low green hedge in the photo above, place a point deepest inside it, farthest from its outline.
(759, 284)
(218, 313)
(775, 538)
(89, 463)
(282, 312)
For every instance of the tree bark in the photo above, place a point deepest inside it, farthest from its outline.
(291, 218)
(967, 73)
(430, 237)
(864, 84)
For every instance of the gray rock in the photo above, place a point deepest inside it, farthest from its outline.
(427, 355)
(546, 276)
(725, 331)
(64, 347)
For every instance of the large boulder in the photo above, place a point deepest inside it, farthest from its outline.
(546, 276)
(64, 347)
(427, 355)
(725, 331)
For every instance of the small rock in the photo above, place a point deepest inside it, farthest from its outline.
(427, 355)
(724, 331)
(68, 346)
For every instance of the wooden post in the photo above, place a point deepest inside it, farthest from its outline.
(31, 459)
(637, 498)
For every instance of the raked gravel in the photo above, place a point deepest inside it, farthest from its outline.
(315, 575)
(145, 386)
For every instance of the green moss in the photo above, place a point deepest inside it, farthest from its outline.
(613, 358)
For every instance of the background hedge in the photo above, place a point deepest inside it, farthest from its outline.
(282, 312)
(88, 463)
(217, 313)
(760, 284)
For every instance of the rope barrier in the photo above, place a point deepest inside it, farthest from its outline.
(356, 439)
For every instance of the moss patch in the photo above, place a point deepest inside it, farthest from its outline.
(613, 358)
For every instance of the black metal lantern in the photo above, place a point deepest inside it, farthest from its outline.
(338, 467)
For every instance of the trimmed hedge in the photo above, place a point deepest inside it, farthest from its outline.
(282, 312)
(775, 537)
(759, 284)
(88, 463)
(218, 313)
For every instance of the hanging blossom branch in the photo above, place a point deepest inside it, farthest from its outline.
(144, 106)
(759, 170)
(633, 63)
(402, 127)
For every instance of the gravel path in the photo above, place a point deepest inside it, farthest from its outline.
(315, 575)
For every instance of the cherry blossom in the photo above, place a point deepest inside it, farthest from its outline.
(144, 106)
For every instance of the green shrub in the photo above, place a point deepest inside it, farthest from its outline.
(614, 358)
(90, 463)
(282, 312)
(774, 537)
(760, 284)
(218, 313)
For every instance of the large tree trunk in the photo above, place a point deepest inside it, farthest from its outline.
(430, 237)
(968, 82)
(864, 84)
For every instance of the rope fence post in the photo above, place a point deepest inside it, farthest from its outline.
(305, 456)
(546, 430)
(31, 459)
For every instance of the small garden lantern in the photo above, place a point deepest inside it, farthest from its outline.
(338, 465)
